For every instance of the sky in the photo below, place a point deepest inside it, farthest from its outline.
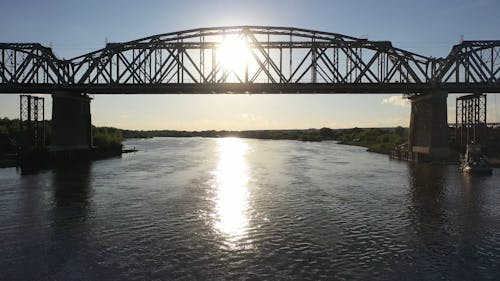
(72, 28)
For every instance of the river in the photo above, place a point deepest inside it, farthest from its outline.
(243, 209)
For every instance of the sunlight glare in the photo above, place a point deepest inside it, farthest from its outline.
(234, 54)
(231, 190)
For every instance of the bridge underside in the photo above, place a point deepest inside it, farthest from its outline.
(255, 88)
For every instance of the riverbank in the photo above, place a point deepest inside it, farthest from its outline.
(108, 140)
(379, 140)
(369, 147)
(43, 159)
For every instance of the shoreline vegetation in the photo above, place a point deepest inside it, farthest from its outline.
(108, 140)
(380, 140)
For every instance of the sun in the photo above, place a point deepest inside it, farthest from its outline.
(234, 54)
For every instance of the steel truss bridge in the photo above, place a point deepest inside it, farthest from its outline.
(275, 60)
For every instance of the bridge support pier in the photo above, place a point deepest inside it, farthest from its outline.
(71, 122)
(428, 136)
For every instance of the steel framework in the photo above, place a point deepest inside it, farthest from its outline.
(277, 60)
(32, 121)
(470, 118)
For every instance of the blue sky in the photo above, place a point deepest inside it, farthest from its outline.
(75, 27)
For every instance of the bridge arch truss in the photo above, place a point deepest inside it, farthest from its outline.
(277, 59)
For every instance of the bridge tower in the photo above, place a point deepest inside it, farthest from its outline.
(428, 136)
(71, 122)
(470, 120)
(32, 122)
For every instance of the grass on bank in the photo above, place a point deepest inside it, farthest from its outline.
(107, 138)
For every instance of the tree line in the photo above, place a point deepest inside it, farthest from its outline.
(381, 140)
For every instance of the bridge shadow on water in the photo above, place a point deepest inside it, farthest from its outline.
(428, 218)
(446, 209)
(70, 232)
(52, 231)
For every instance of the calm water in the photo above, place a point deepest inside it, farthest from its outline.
(230, 209)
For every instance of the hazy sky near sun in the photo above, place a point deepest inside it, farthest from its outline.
(73, 28)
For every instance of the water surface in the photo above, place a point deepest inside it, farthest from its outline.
(230, 209)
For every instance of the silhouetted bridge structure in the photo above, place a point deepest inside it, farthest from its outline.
(252, 59)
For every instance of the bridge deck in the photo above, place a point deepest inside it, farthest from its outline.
(251, 88)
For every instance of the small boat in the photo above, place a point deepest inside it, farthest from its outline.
(475, 162)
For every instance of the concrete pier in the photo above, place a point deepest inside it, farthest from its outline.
(428, 138)
(71, 122)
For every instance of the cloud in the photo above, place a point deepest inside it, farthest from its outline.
(396, 101)
(249, 117)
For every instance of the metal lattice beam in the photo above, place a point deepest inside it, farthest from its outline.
(279, 59)
(32, 121)
(471, 123)
(471, 62)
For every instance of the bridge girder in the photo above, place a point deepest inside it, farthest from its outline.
(280, 59)
(471, 62)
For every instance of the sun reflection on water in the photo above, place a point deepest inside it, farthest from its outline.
(231, 179)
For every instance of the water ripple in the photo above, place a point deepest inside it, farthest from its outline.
(212, 209)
